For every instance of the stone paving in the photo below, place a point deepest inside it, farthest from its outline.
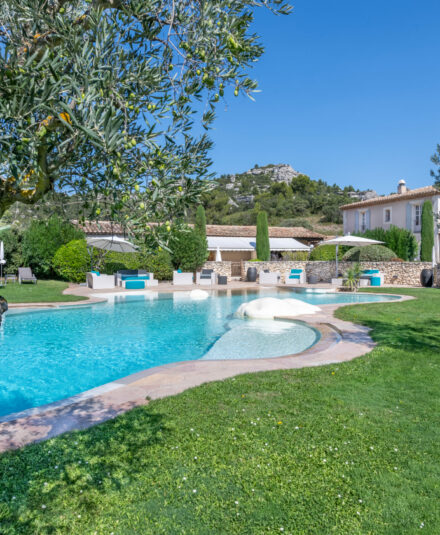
(340, 341)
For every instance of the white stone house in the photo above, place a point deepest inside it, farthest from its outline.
(402, 209)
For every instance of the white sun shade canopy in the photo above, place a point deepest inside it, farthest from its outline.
(112, 243)
(249, 244)
(352, 241)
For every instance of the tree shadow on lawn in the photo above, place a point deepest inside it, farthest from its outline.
(103, 458)
(407, 336)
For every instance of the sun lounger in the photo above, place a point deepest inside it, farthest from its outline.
(25, 275)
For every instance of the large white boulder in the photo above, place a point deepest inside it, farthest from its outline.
(271, 307)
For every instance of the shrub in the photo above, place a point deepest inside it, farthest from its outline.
(263, 246)
(189, 251)
(113, 262)
(427, 232)
(369, 253)
(72, 261)
(331, 213)
(158, 263)
(295, 255)
(400, 240)
(295, 222)
(326, 252)
(41, 241)
(12, 240)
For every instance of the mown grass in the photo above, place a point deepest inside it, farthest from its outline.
(45, 291)
(345, 449)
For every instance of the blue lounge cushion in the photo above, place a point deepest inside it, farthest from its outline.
(135, 284)
(179, 271)
(375, 281)
(296, 271)
(294, 277)
(96, 273)
(135, 277)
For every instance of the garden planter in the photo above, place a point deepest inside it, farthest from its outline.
(251, 275)
(426, 278)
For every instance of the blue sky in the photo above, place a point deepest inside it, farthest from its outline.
(350, 94)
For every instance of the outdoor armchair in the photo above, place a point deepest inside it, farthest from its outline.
(183, 279)
(270, 278)
(295, 276)
(25, 275)
(206, 277)
(99, 281)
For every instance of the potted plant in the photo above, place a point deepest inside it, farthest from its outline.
(352, 278)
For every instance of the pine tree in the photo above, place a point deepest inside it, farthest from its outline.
(263, 246)
(427, 232)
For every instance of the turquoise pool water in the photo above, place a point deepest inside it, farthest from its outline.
(53, 354)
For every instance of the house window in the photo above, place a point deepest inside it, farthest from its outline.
(363, 221)
(387, 215)
(417, 216)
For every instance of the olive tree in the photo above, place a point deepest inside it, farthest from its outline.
(100, 98)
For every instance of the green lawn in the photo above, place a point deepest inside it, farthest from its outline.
(42, 292)
(344, 449)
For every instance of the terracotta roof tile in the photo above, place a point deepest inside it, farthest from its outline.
(251, 232)
(104, 228)
(109, 228)
(427, 191)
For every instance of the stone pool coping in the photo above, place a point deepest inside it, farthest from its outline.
(340, 341)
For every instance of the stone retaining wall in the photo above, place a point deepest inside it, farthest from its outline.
(221, 268)
(394, 272)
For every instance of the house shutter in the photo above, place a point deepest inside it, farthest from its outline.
(356, 221)
(408, 216)
(367, 219)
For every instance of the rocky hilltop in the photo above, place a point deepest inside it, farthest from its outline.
(279, 173)
(242, 187)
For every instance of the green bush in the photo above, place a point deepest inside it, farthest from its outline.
(42, 240)
(295, 255)
(263, 245)
(369, 253)
(189, 250)
(400, 240)
(326, 252)
(296, 222)
(158, 263)
(12, 241)
(113, 262)
(427, 232)
(72, 261)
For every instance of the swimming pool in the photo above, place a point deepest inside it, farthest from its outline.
(48, 355)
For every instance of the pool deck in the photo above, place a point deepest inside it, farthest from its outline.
(340, 341)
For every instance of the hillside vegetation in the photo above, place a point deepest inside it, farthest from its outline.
(289, 198)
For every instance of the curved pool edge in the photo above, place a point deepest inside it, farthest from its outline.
(111, 399)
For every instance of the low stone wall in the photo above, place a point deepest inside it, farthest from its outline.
(394, 272)
(221, 268)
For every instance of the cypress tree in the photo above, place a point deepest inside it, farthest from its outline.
(263, 247)
(427, 232)
(200, 225)
(200, 230)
